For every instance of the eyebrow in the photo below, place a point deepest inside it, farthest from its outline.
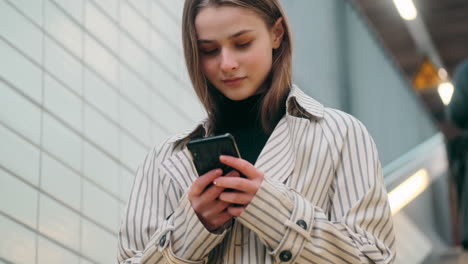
(230, 37)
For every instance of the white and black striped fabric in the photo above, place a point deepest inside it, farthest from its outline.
(322, 200)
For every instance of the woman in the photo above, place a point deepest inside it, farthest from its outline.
(313, 189)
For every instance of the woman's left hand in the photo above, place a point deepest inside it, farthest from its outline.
(244, 189)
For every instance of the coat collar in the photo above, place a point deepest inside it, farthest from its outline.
(277, 159)
(298, 104)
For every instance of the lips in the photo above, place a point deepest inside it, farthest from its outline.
(233, 81)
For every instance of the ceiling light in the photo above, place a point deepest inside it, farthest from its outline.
(443, 73)
(445, 92)
(406, 9)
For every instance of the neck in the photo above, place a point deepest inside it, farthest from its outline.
(242, 113)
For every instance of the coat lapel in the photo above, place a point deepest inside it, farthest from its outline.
(277, 158)
(181, 169)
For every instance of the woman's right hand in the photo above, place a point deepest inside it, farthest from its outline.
(211, 211)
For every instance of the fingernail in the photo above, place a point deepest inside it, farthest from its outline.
(214, 182)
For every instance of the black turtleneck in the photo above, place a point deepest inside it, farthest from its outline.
(242, 120)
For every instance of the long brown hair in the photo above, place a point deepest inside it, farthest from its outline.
(273, 103)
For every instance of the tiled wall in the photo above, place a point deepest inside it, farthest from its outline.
(87, 87)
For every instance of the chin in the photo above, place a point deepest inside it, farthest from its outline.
(238, 95)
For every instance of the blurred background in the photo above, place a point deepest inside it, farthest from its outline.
(88, 87)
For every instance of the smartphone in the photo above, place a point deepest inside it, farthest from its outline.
(206, 152)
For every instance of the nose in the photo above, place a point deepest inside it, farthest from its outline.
(228, 61)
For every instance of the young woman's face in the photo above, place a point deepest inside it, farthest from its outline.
(235, 49)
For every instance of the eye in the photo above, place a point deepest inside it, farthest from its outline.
(244, 44)
(209, 51)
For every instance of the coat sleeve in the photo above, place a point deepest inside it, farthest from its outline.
(357, 228)
(159, 225)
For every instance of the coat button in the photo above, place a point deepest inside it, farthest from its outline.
(162, 241)
(302, 224)
(285, 255)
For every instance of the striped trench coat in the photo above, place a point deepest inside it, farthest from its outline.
(322, 199)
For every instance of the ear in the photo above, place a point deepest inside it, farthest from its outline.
(277, 33)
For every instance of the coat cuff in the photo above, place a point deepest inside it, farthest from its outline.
(183, 238)
(281, 218)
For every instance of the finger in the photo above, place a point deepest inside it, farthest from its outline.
(236, 197)
(200, 184)
(235, 211)
(211, 194)
(232, 174)
(242, 166)
(238, 184)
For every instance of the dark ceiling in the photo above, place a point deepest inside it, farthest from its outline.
(446, 22)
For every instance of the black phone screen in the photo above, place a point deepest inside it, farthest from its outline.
(206, 152)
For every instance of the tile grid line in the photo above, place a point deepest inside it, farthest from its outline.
(68, 88)
(99, 75)
(128, 34)
(6, 261)
(80, 224)
(38, 233)
(148, 84)
(119, 112)
(152, 26)
(54, 198)
(41, 139)
(90, 104)
(63, 163)
(168, 11)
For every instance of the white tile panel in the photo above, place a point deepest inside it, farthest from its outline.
(101, 131)
(110, 7)
(132, 153)
(166, 23)
(61, 27)
(59, 222)
(60, 182)
(63, 65)
(100, 59)
(101, 95)
(135, 56)
(21, 32)
(135, 89)
(63, 102)
(101, 169)
(32, 9)
(18, 67)
(135, 122)
(126, 183)
(98, 244)
(14, 147)
(62, 142)
(19, 113)
(18, 244)
(134, 24)
(24, 207)
(100, 206)
(102, 27)
(166, 52)
(72, 7)
(51, 253)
